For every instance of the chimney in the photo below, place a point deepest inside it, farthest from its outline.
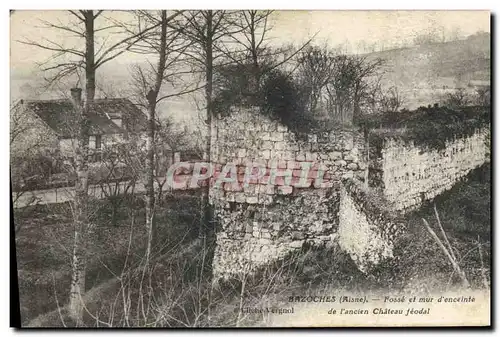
(76, 96)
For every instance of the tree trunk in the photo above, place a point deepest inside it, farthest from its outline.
(89, 57)
(356, 110)
(255, 73)
(81, 187)
(150, 142)
(150, 194)
(204, 209)
(367, 149)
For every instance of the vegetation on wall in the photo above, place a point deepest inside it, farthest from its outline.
(282, 99)
(427, 127)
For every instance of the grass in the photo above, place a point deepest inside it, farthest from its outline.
(464, 212)
(44, 248)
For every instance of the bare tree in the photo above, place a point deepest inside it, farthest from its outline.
(206, 29)
(67, 61)
(457, 99)
(483, 96)
(315, 70)
(340, 87)
(367, 76)
(350, 84)
(115, 178)
(391, 101)
(248, 47)
(251, 36)
(167, 45)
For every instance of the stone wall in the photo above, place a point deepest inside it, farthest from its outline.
(410, 175)
(261, 221)
(268, 217)
(367, 228)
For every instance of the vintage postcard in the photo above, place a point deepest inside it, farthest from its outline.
(251, 168)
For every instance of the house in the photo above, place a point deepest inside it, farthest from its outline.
(53, 124)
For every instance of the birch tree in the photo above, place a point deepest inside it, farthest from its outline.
(154, 83)
(206, 30)
(67, 60)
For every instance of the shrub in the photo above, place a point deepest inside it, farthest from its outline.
(430, 127)
(282, 98)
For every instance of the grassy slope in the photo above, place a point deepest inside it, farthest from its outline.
(44, 246)
(421, 72)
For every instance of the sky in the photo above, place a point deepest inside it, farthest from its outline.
(333, 27)
(353, 29)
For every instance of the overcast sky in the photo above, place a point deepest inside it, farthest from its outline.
(334, 27)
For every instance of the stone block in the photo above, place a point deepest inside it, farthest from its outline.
(288, 155)
(266, 235)
(311, 156)
(335, 155)
(282, 128)
(267, 145)
(277, 137)
(279, 146)
(285, 190)
(268, 189)
(352, 166)
(296, 244)
(252, 200)
(312, 138)
(341, 163)
(351, 158)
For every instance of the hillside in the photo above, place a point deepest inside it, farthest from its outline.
(425, 73)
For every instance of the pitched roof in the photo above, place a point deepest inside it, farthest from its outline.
(60, 116)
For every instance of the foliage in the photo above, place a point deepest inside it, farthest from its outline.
(391, 101)
(457, 99)
(32, 170)
(338, 83)
(466, 208)
(428, 127)
(282, 99)
(483, 96)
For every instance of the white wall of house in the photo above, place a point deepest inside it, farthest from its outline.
(68, 146)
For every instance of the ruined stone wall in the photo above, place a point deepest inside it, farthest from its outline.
(367, 228)
(261, 221)
(411, 175)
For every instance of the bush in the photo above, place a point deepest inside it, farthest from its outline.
(430, 127)
(282, 98)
